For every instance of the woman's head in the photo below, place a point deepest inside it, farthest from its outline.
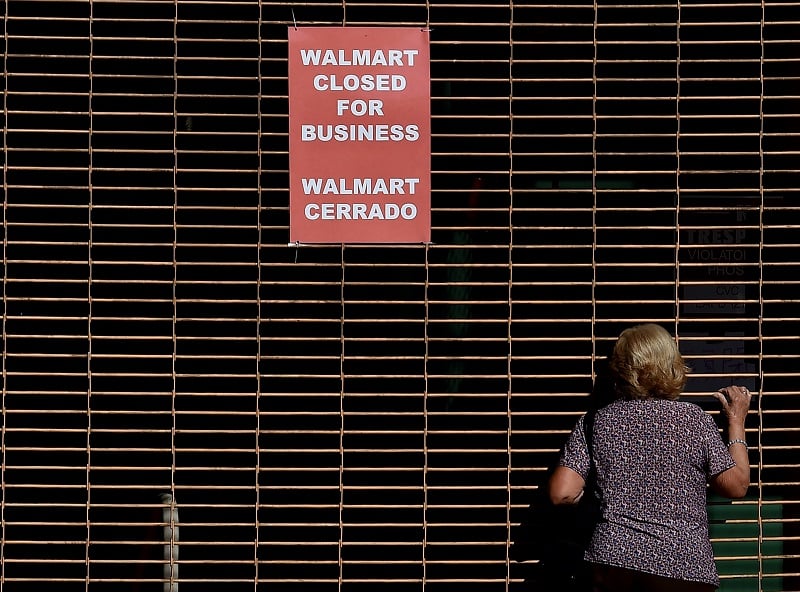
(646, 364)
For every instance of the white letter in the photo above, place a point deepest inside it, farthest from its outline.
(350, 82)
(343, 61)
(361, 57)
(307, 133)
(381, 132)
(309, 214)
(392, 211)
(410, 53)
(324, 133)
(367, 82)
(395, 57)
(380, 187)
(376, 107)
(362, 186)
(329, 59)
(330, 187)
(378, 58)
(412, 185)
(341, 106)
(398, 82)
(358, 107)
(365, 133)
(341, 132)
(334, 85)
(375, 212)
(311, 185)
(320, 82)
(327, 211)
(408, 211)
(342, 211)
(310, 56)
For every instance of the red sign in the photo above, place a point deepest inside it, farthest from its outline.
(359, 135)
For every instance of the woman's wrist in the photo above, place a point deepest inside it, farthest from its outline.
(735, 431)
(736, 424)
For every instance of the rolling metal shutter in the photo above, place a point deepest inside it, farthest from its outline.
(187, 400)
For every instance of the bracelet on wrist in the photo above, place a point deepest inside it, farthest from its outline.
(738, 441)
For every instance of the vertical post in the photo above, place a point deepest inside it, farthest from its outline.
(170, 537)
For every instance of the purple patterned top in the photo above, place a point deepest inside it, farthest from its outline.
(653, 460)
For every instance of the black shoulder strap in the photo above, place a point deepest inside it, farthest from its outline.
(588, 434)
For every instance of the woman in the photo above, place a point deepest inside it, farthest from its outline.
(653, 456)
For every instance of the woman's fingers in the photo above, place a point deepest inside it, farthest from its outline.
(735, 400)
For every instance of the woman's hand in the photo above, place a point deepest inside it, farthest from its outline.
(735, 402)
(734, 482)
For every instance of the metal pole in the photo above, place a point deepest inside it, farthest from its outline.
(170, 537)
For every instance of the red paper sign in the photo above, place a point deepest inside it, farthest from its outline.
(359, 135)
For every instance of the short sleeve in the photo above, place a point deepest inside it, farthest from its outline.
(718, 459)
(575, 454)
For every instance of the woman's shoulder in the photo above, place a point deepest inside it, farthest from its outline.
(689, 412)
(688, 406)
(656, 406)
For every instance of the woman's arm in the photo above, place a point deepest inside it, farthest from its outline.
(734, 482)
(565, 486)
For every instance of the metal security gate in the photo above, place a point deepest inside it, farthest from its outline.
(188, 401)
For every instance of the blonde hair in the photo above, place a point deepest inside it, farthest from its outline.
(646, 364)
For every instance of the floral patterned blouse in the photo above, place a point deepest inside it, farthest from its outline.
(653, 458)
